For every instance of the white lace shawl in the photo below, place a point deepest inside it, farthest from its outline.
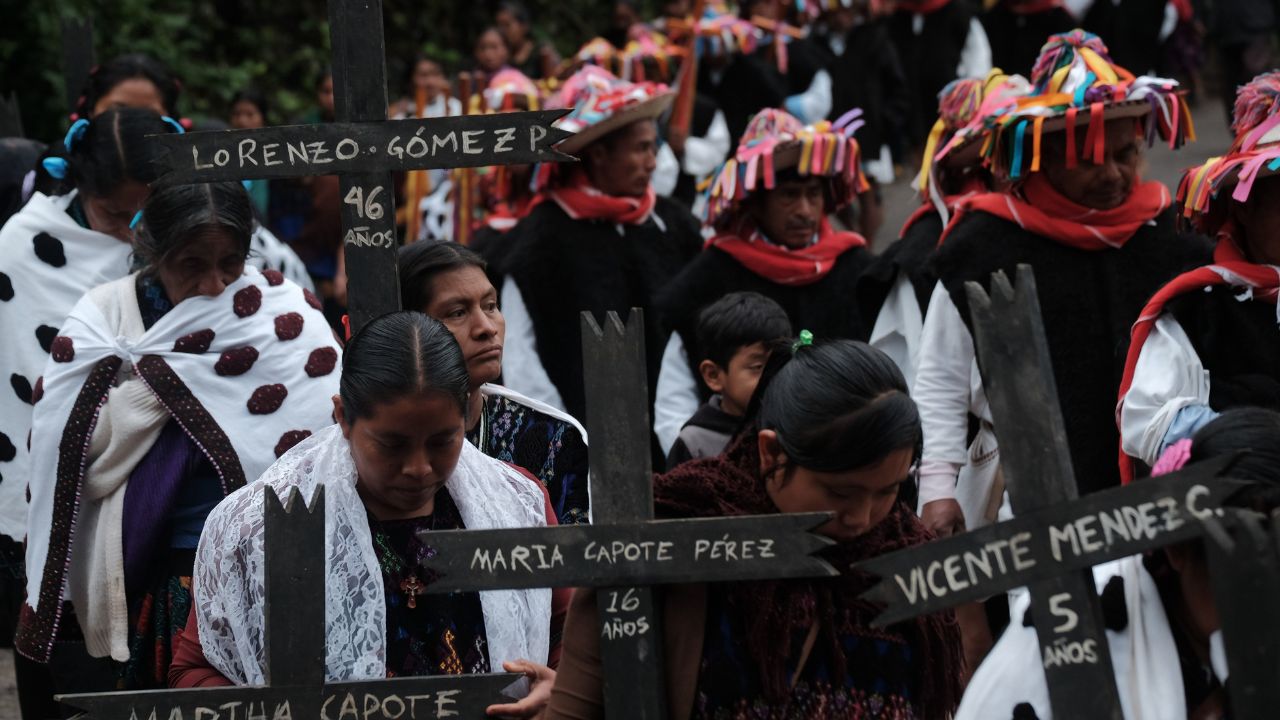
(228, 578)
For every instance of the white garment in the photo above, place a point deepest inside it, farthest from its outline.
(1168, 378)
(128, 424)
(251, 313)
(948, 388)
(228, 581)
(522, 368)
(702, 155)
(975, 57)
(814, 103)
(268, 252)
(898, 328)
(47, 263)
(1144, 656)
(666, 173)
(676, 396)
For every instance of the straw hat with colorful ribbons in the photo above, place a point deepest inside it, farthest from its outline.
(602, 103)
(775, 141)
(960, 107)
(1255, 153)
(1075, 83)
(648, 55)
(508, 90)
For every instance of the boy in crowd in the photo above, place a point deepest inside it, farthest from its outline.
(735, 334)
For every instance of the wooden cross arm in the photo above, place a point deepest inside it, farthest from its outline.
(1048, 542)
(361, 147)
(638, 553)
(416, 698)
(1244, 566)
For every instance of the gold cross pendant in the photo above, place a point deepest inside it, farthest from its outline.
(412, 587)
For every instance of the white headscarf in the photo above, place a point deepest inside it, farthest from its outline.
(229, 578)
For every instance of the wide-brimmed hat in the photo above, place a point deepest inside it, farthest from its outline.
(967, 110)
(775, 141)
(507, 90)
(1255, 153)
(648, 55)
(602, 103)
(1075, 84)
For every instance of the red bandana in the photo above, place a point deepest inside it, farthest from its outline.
(785, 266)
(1229, 268)
(582, 201)
(1044, 211)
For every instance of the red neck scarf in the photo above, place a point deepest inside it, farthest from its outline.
(922, 7)
(1229, 268)
(1044, 211)
(582, 201)
(803, 266)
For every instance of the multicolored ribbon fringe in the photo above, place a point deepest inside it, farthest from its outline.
(1254, 153)
(1075, 79)
(824, 149)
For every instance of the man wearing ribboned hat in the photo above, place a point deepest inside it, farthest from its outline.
(1208, 341)
(598, 238)
(1099, 238)
(767, 207)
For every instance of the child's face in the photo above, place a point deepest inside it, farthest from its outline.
(737, 383)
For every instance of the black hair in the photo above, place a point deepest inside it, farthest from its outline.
(176, 214)
(1255, 433)
(113, 149)
(397, 355)
(837, 406)
(517, 10)
(323, 72)
(737, 320)
(419, 264)
(254, 97)
(412, 68)
(108, 75)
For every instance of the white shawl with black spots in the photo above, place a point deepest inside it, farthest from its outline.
(47, 262)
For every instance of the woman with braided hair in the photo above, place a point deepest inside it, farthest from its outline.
(832, 429)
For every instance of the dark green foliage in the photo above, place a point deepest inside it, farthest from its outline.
(219, 46)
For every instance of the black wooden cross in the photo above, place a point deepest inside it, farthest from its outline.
(363, 148)
(625, 550)
(1056, 537)
(294, 635)
(1244, 564)
(77, 57)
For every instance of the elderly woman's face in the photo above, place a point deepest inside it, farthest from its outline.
(205, 265)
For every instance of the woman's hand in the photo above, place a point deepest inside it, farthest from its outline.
(541, 678)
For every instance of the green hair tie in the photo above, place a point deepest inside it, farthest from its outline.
(805, 339)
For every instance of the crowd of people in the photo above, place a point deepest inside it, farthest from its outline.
(174, 350)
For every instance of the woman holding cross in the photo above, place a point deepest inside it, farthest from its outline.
(832, 430)
(395, 463)
(164, 390)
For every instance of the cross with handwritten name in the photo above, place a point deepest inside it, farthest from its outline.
(363, 148)
(1055, 537)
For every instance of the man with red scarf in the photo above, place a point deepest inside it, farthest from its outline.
(1208, 341)
(1099, 239)
(895, 289)
(768, 206)
(596, 239)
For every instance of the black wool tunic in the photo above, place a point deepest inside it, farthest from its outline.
(1089, 301)
(1238, 343)
(908, 256)
(826, 308)
(929, 59)
(563, 266)
(1016, 38)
